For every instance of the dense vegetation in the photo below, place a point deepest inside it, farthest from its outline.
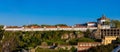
(115, 23)
(15, 41)
(103, 48)
(50, 50)
(73, 49)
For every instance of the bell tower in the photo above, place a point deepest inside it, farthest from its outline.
(103, 22)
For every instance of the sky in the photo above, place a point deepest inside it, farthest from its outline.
(70, 12)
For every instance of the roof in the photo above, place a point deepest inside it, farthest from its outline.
(64, 26)
(80, 27)
(32, 27)
(13, 27)
(27, 27)
(35, 27)
(91, 22)
(103, 18)
(51, 27)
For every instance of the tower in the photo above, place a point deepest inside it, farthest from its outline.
(103, 19)
(103, 22)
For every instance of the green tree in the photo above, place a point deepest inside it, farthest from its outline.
(73, 49)
(10, 41)
(73, 41)
(102, 48)
(107, 22)
(87, 33)
(60, 25)
(117, 41)
(43, 25)
(1, 34)
(115, 23)
(1, 27)
(84, 39)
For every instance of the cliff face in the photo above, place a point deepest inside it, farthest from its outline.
(71, 36)
(96, 34)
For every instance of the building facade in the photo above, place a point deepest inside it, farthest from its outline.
(102, 23)
(84, 46)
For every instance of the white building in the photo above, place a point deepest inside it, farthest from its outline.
(91, 24)
(78, 27)
(49, 28)
(102, 21)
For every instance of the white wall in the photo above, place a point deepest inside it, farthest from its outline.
(91, 24)
(48, 29)
(101, 21)
(105, 27)
(13, 29)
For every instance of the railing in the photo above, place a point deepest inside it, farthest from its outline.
(116, 49)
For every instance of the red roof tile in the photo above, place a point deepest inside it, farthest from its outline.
(80, 27)
(13, 27)
(51, 27)
(35, 27)
(65, 26)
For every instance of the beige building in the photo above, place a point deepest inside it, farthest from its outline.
(106, 35)
(108, 39)
(84, 46)
(101, 33)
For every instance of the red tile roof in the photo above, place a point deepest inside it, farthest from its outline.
(91, 22)
(51, 27)
(80, 27)
(35, 27)
(32, 27)
(65, 26)
(103, 18)
(13, 27)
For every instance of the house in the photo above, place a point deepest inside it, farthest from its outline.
(13, 28)
(84, 46)
(80, 28)
(64, 28)
(50, 28)
(91, 24)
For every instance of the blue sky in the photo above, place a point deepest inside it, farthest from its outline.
(20, 12)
